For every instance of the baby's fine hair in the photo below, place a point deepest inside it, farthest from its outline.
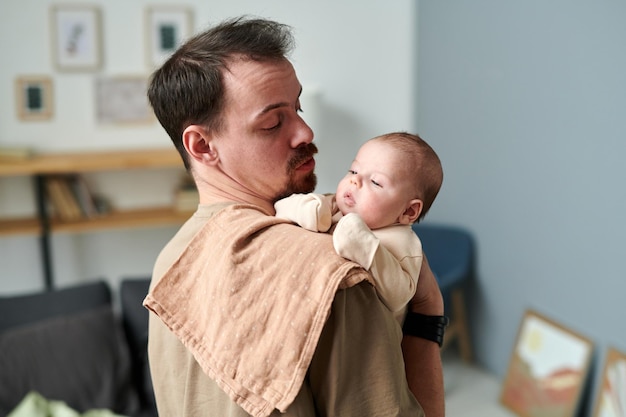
(423, 164)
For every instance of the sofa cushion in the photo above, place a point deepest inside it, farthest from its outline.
(80, 358)
(135, 321)
(24, 309)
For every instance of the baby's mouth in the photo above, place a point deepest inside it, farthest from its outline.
(348, 199)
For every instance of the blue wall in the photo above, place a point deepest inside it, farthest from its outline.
(526, 104)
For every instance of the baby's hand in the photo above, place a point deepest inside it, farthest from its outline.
(306, 210)
(355, 241)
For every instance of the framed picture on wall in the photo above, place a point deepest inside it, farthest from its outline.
(76, 37)
(122, 99)
(611, 397)
(548, 369)
(34, 97)
(167, 28)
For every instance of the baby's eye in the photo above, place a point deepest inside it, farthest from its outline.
(351, 171)
(376, 183)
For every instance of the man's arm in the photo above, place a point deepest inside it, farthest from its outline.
(357, 369)
(422, 357)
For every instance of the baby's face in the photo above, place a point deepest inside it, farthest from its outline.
(376, 187)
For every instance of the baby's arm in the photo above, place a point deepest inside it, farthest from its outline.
(310, 211)
(394, 267)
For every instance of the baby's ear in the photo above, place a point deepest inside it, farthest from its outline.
(412, 212)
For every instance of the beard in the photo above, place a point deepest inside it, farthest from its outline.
(304, 184)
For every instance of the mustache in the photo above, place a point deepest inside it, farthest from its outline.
(303, 153)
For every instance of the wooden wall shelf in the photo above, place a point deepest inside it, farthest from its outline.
(59, 163)
(162, 216)
(20, 226)
(39, 166)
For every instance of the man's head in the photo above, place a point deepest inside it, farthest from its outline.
(229, 99)
(393, 179)
(188, 88)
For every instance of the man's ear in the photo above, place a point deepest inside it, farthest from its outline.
(200, 145)
(412, 212)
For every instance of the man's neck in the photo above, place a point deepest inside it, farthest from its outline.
(220, 189)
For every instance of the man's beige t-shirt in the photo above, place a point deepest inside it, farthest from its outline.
(357, 369)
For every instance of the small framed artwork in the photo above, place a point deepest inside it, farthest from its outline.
(548, 369)
(167, 28)
(34, 97)
(611, 397)
(76, 37)
(122, 100)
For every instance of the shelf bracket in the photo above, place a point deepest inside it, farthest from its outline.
(44, 235)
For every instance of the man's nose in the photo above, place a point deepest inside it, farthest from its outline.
(303, 133)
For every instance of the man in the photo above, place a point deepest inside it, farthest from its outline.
(252, 315)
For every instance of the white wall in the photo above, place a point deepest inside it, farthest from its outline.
(525, 102)
(360, 58)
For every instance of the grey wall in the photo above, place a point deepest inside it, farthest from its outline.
(526, 104)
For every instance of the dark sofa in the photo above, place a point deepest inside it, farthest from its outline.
(71, 345)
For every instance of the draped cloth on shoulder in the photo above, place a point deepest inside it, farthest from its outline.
(249, 297)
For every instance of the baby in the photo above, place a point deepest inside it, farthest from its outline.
(390, 185)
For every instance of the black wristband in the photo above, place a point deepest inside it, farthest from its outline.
(425, 327)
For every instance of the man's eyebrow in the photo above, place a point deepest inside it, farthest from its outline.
(273, 106)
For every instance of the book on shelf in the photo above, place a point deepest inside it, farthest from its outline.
(61, 199)
(84, 197)
(70, 197)
(186, 197)
(186, 200)
(15, 153)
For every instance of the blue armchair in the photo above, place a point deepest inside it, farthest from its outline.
(450, 254)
